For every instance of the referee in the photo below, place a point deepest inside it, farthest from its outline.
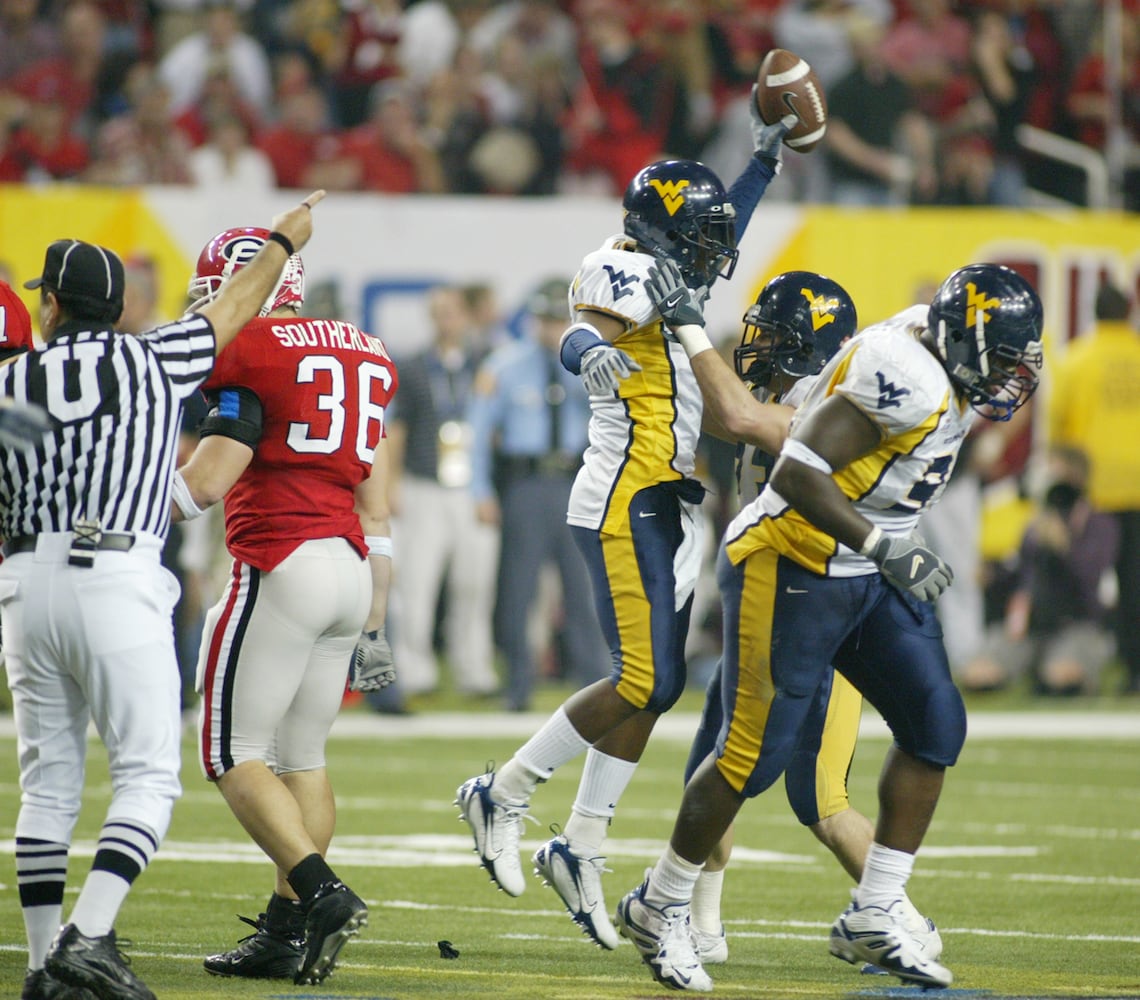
(86, 603)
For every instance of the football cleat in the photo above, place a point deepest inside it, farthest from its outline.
(578, 881)
(496, 827)
(334, 915)
(878, 935)
(94, 963)
(273, 951)
(664, 937)
(712, 948)
(39, 985)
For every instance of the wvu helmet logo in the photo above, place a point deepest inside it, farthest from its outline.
(670, 192)
(822, 308)
(976, 306)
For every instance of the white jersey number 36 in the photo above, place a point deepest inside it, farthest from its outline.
(301, 438)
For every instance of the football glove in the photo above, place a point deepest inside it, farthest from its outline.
(22, 425)
(911, 567)
(678, 304)
(372, 662)
(768, 140)
(605, 367)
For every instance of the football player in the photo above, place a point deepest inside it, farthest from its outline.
(294, 441)
(821, 570)
(633, 513)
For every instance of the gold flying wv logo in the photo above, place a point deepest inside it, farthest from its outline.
(670, 192)
(976, 306)
(822, 308)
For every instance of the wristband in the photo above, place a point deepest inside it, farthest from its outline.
(871, 541)
(575, 342)
(282, 241)
(693, 339)
(183, 499)
(379, 545)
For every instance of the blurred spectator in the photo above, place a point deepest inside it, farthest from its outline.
(391, 152)
(220, 41)
(303, 146)
(141, 146)
(26, 37)
(528, 419)
(623, 104)
(547, 35)
(432, 32)
(73, 74)
(1087, 102)
(228, 159)
(41, 147)
(488, 330)
(219, 99)
(880, 148)
(818, 31)
(368, 53)
(1094, 405)
(930, 51)
(1055, 624)
(435, 527)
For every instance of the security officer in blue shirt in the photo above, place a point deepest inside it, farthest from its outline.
(528, 417)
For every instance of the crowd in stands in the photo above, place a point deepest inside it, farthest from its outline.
(534, 97)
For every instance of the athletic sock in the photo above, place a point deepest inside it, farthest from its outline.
(604, 779)
(308, 876)
(885, 874)
(41, 871)
(536, 760)
(124, 850)
(671, 880)
(706, 902)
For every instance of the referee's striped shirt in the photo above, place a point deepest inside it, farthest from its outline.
(115, 402)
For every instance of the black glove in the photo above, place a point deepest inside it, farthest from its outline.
(911, 567)
(678, 304)
(372, 662)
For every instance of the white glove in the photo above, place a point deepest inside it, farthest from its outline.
(22, 425)
(604, 368)
(372, 662)
(768, 140)
(908, 566)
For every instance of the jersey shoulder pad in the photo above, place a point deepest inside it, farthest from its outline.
(613, 282)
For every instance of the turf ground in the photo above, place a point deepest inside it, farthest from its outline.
(1031, 870)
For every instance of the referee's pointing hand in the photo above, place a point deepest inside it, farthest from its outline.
(297, 224)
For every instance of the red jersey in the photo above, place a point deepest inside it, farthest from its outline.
(15, 323)
(324, 388)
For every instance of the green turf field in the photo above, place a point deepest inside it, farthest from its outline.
(1031, 870)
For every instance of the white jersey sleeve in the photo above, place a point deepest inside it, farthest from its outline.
(612, 281)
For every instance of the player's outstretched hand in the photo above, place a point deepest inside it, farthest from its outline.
(678, 304)
(297, 223)
(22, 425)
(605, 367)
(372, 662)
(911, 567)
(768, 140)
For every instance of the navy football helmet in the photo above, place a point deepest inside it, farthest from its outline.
(678, 209)
(796, 324)
(986, 323)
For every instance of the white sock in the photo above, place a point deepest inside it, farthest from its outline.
(885, 874)
(536, 760)
(604, 779)
(98, 904)
(41, 924)
(706, 902)
(672, 879)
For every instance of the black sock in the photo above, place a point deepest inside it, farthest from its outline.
(309, 875)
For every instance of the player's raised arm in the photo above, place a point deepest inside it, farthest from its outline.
(243, 295)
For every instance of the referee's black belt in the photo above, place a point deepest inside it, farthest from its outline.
(111, 541)
(556, 463)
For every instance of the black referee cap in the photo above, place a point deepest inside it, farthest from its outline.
(84, 270)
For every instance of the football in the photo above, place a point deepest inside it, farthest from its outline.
(786, 83)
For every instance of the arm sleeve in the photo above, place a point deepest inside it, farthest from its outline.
(235, 413)
(748, 189)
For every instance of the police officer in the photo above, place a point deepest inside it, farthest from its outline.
(528, 417)
(86, 603)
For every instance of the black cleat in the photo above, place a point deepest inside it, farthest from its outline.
(39, 985)
(96, 964)
(334, 915)
(273, 951)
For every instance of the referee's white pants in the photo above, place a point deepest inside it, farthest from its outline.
(92, 644)
(437, 533)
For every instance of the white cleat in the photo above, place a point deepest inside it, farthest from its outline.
(578, 881)
(879, 936)
(496, 827)
(664, 937)
(711, 948)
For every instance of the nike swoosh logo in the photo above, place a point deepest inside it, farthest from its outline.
(789, 100)
(646, 513)
(792, 590)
